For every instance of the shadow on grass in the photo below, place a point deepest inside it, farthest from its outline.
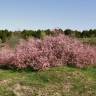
(14, 69)
(30, 69)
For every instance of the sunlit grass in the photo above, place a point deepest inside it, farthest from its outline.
(59, 81)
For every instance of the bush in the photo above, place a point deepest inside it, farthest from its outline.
(4, 35)
(40, 54)
(6, 57)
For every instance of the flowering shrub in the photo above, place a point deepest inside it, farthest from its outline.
(6, 56)
(49, 52)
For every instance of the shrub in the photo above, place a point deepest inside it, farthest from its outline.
(48, 52)
(6, 56)
(53, 51)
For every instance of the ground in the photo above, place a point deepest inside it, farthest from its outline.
(59, 81)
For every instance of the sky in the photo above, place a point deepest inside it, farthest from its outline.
(47, 14)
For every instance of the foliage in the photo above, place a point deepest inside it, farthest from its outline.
(4, 34)
(6, 56)
(25, 34)
(50, 51)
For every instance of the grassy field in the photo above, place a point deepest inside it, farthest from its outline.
(63, 81)
(91, 41)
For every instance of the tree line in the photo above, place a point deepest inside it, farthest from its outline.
(5, 34)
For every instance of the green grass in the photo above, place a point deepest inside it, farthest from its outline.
(91, 40)
(61, 81)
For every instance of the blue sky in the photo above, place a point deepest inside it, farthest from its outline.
(44, 14)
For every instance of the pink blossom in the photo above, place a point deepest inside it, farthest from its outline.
(51, 51)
